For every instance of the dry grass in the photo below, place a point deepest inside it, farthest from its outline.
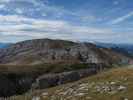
(41, 68)
(123, 76)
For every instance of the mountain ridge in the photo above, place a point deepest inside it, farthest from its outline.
(4, 45)
(40, 51)
(123, 48)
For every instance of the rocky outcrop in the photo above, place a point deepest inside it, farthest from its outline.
(50, 80)
(14, 84)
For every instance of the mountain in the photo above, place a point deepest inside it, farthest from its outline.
(39, 51)
(123, 48)
(44, 63)
(4, 45)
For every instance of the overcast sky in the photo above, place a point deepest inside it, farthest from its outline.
(78, 20)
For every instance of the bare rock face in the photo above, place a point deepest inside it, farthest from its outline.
(49, 80)
(58, 51)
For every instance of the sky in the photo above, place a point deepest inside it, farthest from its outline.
(108, 21)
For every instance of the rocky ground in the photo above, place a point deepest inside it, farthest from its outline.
(115, 84)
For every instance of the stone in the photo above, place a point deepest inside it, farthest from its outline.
(44, 94)
(125, 98)
(36, 98)
(112, 83)
(80, 94)
(121, 88)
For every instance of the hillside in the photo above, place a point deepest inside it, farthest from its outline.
(39, 51)
(115, 84)
(45, 63)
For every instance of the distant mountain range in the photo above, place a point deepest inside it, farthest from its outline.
(4, 45)
(122, 48)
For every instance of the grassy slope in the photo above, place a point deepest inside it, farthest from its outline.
(42, 68)
(85, 89)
